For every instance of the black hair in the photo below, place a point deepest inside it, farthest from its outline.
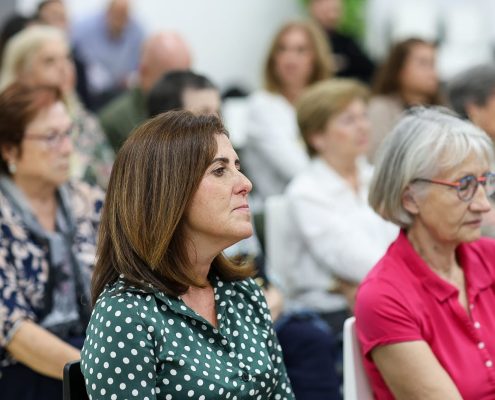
(166, 94)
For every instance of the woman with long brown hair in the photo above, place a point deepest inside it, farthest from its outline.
(408, 77)
(173, 317)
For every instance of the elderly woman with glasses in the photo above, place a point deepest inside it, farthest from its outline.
(425, 313)
(47, 244)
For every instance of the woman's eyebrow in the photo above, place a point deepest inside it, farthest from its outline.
(225, 160)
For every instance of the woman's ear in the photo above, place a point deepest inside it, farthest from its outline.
(10, 153)
(409, 201)
(315, 139)
(474, 112)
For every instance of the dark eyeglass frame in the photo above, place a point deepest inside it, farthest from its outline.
(52, 139)
(463, 184)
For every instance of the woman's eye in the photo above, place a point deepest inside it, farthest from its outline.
(465, 183)
(219, 171)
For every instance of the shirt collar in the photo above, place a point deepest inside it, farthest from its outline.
(222, 292)
(475, 273)
(336, 182)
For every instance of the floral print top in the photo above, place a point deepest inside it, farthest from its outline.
(147, 345)
(92, 158)
(25, 263)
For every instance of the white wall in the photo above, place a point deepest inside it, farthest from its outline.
(228, 38)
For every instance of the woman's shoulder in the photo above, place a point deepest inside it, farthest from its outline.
(388, 105)
(385, 100)
(388, 286)
(317, 179)
(123, 301)
(390, 271)
(263, 98)
(485, 250)
(11, 226)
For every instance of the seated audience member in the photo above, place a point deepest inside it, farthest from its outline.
(328, 203)
(408, 77)
(273, 153)
(306, 345)
(48, 244)
(184, 90)
(424, 314)
(11, 25)
(472, 95)
(53, 13)
(350, 60)
(108, 44)
(39, 55)
(174, 316)
(161, 53)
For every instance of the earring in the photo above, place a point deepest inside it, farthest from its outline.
(12, 168)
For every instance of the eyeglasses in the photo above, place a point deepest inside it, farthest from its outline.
(52, 139)
(467, 186)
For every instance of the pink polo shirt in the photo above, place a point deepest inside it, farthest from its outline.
(403, 300)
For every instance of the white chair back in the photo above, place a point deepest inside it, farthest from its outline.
(356, 385)
(280, 245)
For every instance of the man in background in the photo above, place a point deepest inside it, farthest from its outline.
(161, 53)
(184, 90)
(350, 60)
(109, 44)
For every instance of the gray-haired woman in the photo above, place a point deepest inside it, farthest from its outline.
(424, 314)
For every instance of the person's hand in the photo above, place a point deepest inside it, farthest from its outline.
(275, 301)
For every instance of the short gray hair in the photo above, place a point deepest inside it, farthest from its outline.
(423, 143)
(474, 85)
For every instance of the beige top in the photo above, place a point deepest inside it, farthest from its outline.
(384, 112)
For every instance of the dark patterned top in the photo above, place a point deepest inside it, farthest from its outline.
(25, 262)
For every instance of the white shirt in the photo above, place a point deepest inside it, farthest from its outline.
(274, 152)
(340, 234)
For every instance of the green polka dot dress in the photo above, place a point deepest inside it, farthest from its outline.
(151, 346)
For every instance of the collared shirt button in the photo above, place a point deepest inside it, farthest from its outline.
(471, 306)
(477, 325)
(245, 376)
(481, 345)
(489, 363)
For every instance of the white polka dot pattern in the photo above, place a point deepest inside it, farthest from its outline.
(151, 346)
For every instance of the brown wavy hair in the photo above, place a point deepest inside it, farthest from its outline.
(154, 178)
(387, 80)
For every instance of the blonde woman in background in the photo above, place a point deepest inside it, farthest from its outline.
(40, 55)
(340, 236)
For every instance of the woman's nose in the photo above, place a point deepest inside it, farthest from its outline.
(480, 202)
(245, 184)
(66, 146)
